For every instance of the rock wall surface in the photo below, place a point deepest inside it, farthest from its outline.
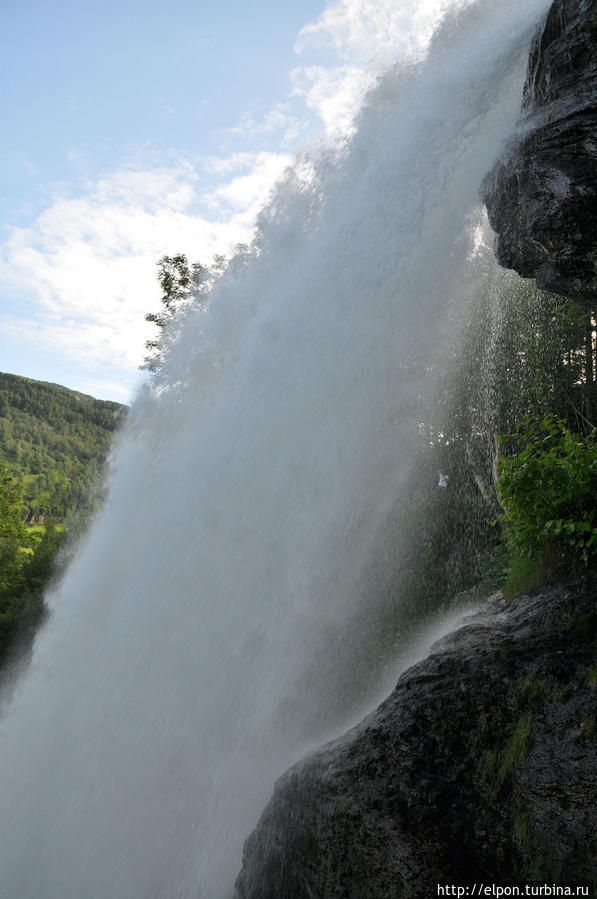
(542, 194)
(481, 766)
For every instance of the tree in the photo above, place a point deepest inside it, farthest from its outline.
(42, 563)
(182, 286)
(548, 483)
(12, 533)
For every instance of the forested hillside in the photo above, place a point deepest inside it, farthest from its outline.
(53, 446)
(53, 441)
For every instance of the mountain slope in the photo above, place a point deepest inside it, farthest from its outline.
(54, 441)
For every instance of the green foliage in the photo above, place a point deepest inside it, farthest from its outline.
(526, 573)
(12, 534)
(54, 441)
(496, 767)
(521, 826)
(535, 692)
(588, 725)
(26, 564)
(548, 485)
(478, 737)
(183, 286)
(43, 559)
(516, 747)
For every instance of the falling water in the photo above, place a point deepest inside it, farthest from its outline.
(213, 625)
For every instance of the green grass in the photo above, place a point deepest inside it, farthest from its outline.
(528, 572)
(496, 767)
(515, 749)
(521, 827)
(536, 691)
(588, 726)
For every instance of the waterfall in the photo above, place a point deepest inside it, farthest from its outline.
(212, 626)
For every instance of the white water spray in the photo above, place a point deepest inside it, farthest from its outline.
(211, 627)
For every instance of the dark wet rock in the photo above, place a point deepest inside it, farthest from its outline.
(542, 194)
(481, 766)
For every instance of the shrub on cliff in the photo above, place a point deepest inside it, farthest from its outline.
(548, 486)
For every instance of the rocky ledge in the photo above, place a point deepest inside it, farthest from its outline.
(481, 766)
(542, 194)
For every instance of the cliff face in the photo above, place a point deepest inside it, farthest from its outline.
(542, 195)
(481, 766)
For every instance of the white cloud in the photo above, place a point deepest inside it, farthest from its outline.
(373, 31)
(246, 193)
(280, 119)
(358, 38)
(88, 263)
(365, 36)
(333, 93)
(224, 165)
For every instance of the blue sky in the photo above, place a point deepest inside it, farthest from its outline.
(133, 129)
(84, 82)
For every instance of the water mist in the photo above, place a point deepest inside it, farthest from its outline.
(212, 626)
